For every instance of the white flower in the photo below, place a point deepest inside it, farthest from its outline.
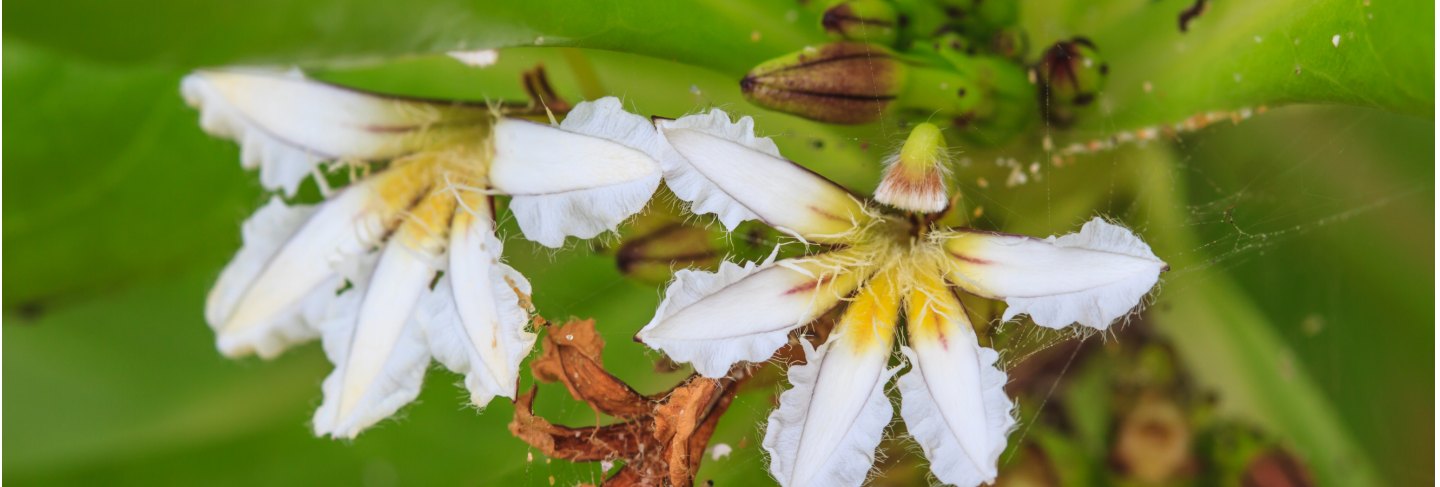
(882, 267)
(403, 265)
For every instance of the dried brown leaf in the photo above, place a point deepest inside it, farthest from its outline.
(612, 442)
(662, 438)
(571, 355)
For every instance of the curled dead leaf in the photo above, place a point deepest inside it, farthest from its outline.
(661, 439)
(571, 354)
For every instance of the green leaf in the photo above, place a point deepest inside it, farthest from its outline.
(109, 179)
(725, 35)
(1245, 55)
(1228, 345)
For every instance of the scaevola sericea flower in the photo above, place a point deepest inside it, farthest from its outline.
(403, 264)
(886, 269)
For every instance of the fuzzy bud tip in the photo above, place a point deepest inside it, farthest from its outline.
(915, 178)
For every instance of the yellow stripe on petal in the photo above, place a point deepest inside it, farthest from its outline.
(932, 308)
(270, 289)
(427, 227)
(829, 423)
(869, 321)
(953, 398)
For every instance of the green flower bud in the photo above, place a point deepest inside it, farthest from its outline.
(980, 20)
(863, 20)
(1010, 43)
(1070, 75)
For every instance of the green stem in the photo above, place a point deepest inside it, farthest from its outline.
(1229, 346)
(584, 73)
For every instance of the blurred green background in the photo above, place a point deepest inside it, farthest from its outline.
(1302, 239)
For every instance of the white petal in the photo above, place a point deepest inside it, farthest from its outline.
(829, 423)
(377, 346)
(953, 398)
(691, 185)
(474, 321)
(286, 124)
(1091, 277)
(579, 179)
(743, 314)
(264, 234)
(722, 168)
(260, 303)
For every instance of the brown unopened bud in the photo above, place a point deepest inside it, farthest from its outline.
(842, 82)
(657, 244)
(1071, 75)
(1154, 443)
(1277, 468)
(1032, 468)
(915, 177)
(863, 20)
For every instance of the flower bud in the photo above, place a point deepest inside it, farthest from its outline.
(863, 20)
(979, 19)
(1154, 441)
(842, 82)
(915, 177)
(657, 243)
(1277, 467)
(1070, 74)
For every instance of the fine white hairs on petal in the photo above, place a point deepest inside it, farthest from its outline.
(376, 344)
(691, 185)
(580, 179)
(287, 124)
(833, 417)
(474, 321)
(937, 401)
(1092, 277)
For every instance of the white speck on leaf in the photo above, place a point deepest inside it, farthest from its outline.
(720, 450)
(476, 59)
(1335, 40)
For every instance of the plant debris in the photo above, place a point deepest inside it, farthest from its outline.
(661, 439)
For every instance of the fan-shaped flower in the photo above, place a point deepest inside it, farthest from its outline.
(884, 267)
(403, 265)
